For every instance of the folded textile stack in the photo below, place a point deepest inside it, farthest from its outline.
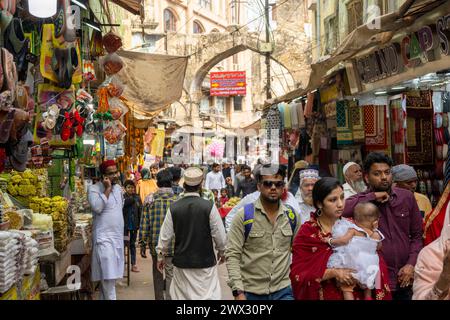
(10, 249)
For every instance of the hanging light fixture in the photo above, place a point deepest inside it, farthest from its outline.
(42, 8)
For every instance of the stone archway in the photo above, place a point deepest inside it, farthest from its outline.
(194, 81)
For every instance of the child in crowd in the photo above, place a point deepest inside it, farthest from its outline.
(223, 197)
(216, 198)
(229, 187)
(132, 211)
(355, 247)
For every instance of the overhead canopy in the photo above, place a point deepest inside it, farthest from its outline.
(152, 81)
(134, 6)
(365, 37)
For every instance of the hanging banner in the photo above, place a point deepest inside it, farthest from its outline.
(158, 143)
(230, 83)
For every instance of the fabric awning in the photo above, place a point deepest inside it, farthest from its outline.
(133, 6)
(152, 81)
(362, 38)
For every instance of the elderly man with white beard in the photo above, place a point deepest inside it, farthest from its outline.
(308, 178)
(354, 179)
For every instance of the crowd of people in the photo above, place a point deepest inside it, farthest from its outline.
(305, 238)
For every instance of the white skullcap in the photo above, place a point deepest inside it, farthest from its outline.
(309, 174)
(348, 165)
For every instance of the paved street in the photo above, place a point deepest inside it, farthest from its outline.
(141, 284)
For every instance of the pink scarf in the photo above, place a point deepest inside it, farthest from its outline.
(429, 263)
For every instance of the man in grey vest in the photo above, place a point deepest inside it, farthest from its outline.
(196, 225)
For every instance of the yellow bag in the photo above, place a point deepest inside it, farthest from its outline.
(49, 43)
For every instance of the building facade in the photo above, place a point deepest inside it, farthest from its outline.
(333, 20)
(179, 27)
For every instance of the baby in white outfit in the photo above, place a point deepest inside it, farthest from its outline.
(355, 247)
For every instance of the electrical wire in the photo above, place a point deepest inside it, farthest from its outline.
(232, 32)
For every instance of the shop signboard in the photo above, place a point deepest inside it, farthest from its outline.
(427, 44)
(229, 83)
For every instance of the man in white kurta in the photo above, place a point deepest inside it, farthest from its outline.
(194, 283)
(106, 200)
(214, 179)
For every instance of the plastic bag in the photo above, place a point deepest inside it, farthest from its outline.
(112, 42)
(114, 132)
(111, 64)
(114, 85)
(117, 108)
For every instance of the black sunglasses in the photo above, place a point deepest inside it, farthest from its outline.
(269, 183)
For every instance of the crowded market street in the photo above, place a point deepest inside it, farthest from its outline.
(189, 152)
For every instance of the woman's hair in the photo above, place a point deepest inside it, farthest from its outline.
(322, 188)
(129, 183)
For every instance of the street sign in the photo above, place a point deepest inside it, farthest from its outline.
(230, 83)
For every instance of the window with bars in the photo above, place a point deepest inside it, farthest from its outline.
(237, 103)
(355, 11)
(331, 34)
(205, 4)
(170, 21)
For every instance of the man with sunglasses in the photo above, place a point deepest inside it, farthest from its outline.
(258, 265)
(106, 200)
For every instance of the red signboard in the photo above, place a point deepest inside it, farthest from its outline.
(230, 83)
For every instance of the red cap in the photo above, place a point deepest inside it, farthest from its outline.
(106, 164)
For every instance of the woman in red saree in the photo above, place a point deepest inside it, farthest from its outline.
(434, 221)
(310, 278)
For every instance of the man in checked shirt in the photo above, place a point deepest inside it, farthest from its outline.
(155, 209)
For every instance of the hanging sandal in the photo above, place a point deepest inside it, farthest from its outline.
(78, 123)
(60, 21)
(70, 34)
(1, 71)
(5, 21)
(66, 128)
(9, 70)
(15, 40)
(6, 126)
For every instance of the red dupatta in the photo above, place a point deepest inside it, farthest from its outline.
(310, 256)
(434, 221)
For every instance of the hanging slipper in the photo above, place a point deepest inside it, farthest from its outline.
(15, 36)
(41, 132)
(80, 121)
(90, 125)
(5, 20)
(59, 64)
(1, 71)
(22, 97)
(12, 6)
(60, 123)
(74, 123)
(66, 128)
(60, 21)
(51, 117)
(69, 33)
(6, 126)
(6, 100)
(9, 70)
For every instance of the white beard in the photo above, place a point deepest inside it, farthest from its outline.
(359, 186)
